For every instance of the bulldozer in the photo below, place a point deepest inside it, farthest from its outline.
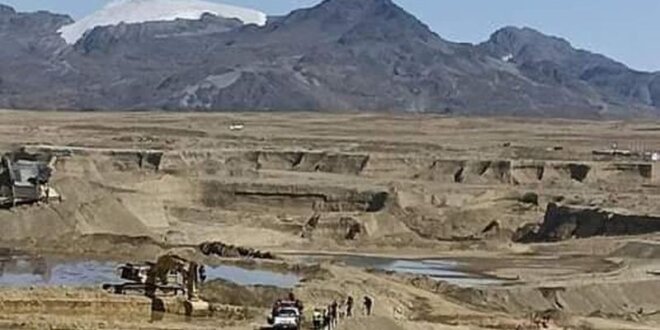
(170, 274)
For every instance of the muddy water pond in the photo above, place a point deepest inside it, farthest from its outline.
(453, 272)
(24, 271)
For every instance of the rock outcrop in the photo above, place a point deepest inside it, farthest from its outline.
(568, 222)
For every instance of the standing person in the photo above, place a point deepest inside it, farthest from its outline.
(276, 307)
(328, 319)
(334, 313)
(349, 306)
(368, 305)
(202, 274)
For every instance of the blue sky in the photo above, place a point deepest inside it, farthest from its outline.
(626, 30)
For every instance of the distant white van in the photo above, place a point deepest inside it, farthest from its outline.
(236, 127)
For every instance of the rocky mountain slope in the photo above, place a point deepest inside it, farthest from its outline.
(366, 55)
(554, 61)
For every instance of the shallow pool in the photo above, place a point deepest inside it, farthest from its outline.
(442, 270)
(29, 271)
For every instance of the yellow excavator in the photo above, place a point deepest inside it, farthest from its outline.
(160, 274)
(169, 274)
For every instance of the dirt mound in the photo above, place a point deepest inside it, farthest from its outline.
(101, 246)
(86, 209)
(564, 222)
(34, 223)
(628, 173)
(224, 292)
(42, 301)
(498, 171)
(105, 192)
(337, 227)
(526, 172)
(639, 250)
(442, 170)
(581, 299)
(230, 251)
(529, 172)
(484, 215)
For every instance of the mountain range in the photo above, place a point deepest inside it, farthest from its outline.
(341, 55)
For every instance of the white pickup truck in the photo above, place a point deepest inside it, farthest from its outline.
(286, 318)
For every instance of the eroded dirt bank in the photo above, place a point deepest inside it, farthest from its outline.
(566, 222)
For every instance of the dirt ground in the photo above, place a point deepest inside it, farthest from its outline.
(136, 185)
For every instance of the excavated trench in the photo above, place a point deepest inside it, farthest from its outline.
(516, 172)
(466, 171)
(237, 161)
(338, 163)
(512, 172)
(120, 158)
(303, 197)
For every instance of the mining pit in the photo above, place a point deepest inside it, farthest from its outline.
(451, 223)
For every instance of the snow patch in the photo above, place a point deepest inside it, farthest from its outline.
(140, 11)
(224, 80)
(201, 94)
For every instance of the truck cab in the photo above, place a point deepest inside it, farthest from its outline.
(286, 317)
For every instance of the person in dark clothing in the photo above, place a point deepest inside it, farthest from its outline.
(349, 306)
(276, 307)
(202, 274)
(334, 313)
(300, 306)
(368, 305)
(327, 320)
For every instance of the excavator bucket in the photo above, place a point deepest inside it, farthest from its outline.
(180, 306)
(197, 308)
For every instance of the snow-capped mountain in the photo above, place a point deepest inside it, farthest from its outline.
(140, 11)
(368, 55)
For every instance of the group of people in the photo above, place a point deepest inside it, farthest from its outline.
(329, 317)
